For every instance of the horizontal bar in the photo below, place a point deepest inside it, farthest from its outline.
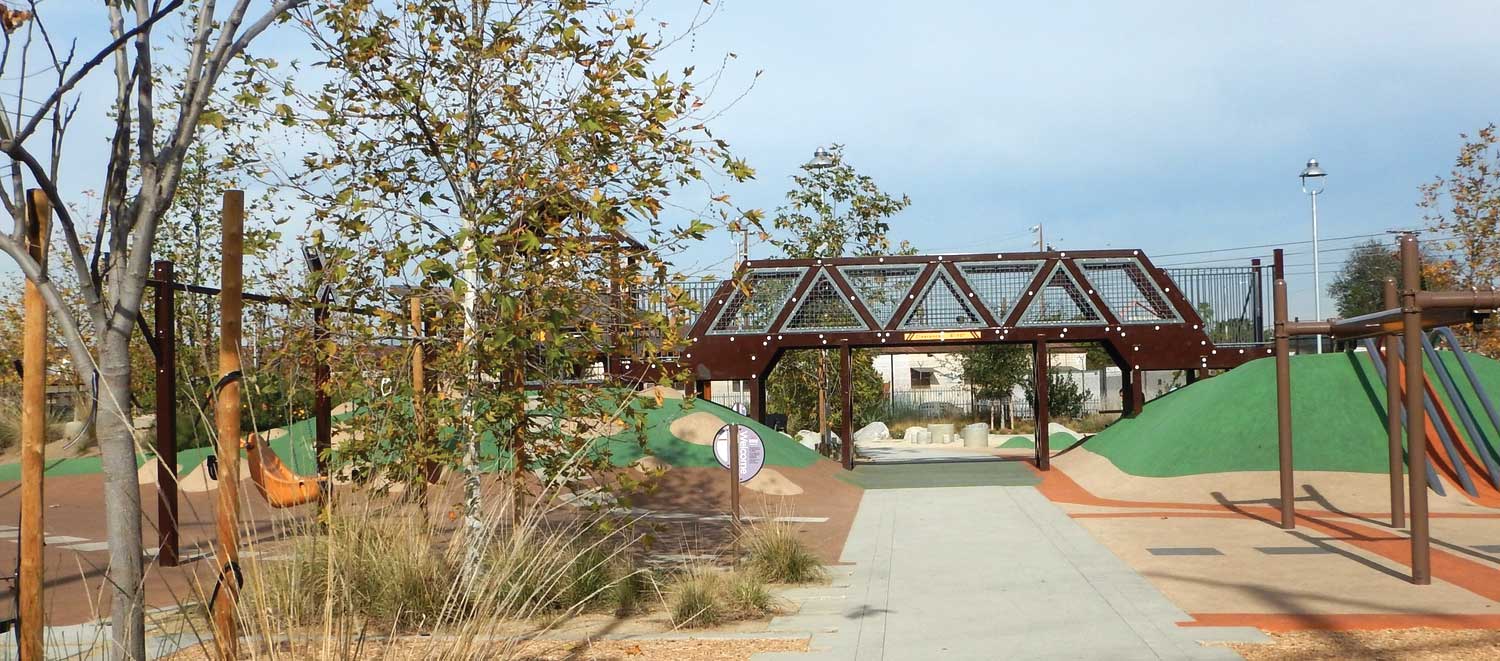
(1387, 322)
(1471, 300)
(1308, 327)
(259, 298)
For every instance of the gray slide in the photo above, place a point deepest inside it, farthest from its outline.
(1476, 438)
(1374, 353)
(1492, 446)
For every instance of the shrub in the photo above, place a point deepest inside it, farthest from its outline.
(776, 554)
(703, 596)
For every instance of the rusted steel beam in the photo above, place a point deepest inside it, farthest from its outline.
(166, 417)
(1040, 365)
(846, 385)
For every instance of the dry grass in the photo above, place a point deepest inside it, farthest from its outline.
(775, 553)
(704, 596)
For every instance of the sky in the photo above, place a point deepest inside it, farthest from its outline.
(1170, 127)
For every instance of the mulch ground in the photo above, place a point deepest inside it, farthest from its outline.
(546, 650)
(1425, 644)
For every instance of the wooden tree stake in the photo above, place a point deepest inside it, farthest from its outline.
(33, 434)
(227, 416)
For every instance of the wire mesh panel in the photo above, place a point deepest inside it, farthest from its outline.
(753, 307)
(823, 308)
(1129, 292)
(881, 288)
(999, 284)
(1231, 300)
(941, 306)
(1061, 301)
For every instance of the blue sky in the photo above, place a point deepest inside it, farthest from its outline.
(1165, 126)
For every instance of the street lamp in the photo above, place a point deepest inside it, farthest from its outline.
(822, 159)
(1312, 184)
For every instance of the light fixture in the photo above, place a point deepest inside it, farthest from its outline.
(821, 160)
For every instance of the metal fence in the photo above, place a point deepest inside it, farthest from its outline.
(1232, 301)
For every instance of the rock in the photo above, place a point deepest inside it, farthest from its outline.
(942, 432)
(917, 435)
(808, 439)
(976, 435)
(73, 429)
(875, 431)
(141, 422)
(651, 464)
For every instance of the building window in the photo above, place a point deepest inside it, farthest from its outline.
(922, 377)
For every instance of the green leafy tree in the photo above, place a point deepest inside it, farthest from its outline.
(1065, 398)
(831, 211)
(993, 370)
(1359, 287)
(1465, 206)
(489, 159)
(151, 131)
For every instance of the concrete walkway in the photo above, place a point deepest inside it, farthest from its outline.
(987, 573)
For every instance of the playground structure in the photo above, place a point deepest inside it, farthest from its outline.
(1119, 299)
(1410, 398)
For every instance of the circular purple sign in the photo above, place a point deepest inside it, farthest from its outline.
(752, 451)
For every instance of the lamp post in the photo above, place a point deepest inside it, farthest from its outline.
(822, 160)
(1312, 184)
(1041, 245)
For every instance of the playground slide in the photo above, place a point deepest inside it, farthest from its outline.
(1480, 463)
(1454, 464)
(277, 483)
(1432, 479)
(1491, 446)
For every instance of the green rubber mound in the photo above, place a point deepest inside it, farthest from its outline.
(1228, 423)
(624, 448)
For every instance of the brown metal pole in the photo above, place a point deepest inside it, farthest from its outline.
(1278, 264)
(734, 471)
(1284, 406)
(1040, 363)
(165, 302)
(846, 380)
(322, 404)
(1393, 414)
(227, 416)
(33, 435)
(1416, 433)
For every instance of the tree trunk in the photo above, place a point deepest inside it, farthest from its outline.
(122, 493)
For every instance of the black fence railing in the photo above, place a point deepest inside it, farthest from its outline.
(1231, 300)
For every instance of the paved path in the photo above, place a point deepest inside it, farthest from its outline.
(987, 573)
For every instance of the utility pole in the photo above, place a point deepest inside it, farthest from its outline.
(1041, 244)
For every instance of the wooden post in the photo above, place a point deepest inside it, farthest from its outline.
(734, 471)
(1283, 406)
(1416, 432)
(165, 302)
(33, 434)
(227, 416)
(846, 381)
(1393, 414)
(1039, 411)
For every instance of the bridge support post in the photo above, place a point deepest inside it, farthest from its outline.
(1135, 390)
(1284, 407)
(1040, 364)
(758, 398)
(846, 386)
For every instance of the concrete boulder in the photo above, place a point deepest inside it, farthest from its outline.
(808, 439)
(976, 435)
(917, 435)
(875, 431)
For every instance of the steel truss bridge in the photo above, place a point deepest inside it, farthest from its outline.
(1146, 317)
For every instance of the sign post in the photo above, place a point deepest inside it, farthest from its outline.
(739, 449)
(734, 471)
